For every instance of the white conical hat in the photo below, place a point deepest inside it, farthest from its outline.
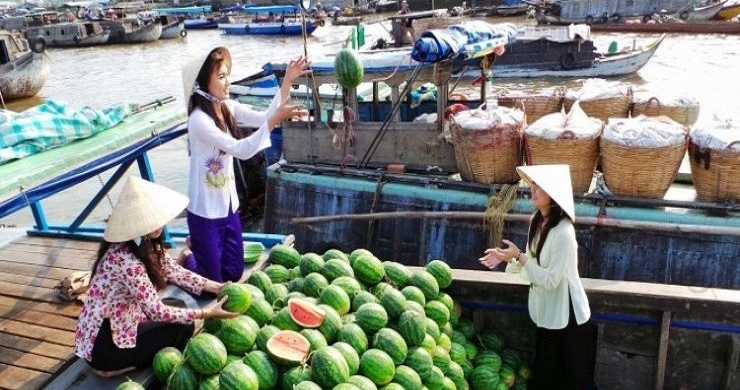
(190, 73)
(555, 181)
(142, 208)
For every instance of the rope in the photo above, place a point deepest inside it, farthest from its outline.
(498, 205)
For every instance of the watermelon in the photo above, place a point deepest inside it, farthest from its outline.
(415, 306)
(183, 378)
(362, 298)
(315, 338)
(484, 378)
(130, 385)
(238, 376)
(392, 343)
(238, 334)
(350, 356)
(377, 366)
(348, 68)
(441, 358)
(260, 280)
(284, 255)
(368, 269)
(336, 297)
(437, 311)
(165, 361)
(213, 324)
(205, 353)
(349, 284)
(263, 335)
(393, 301)
(467, 328)
(488, 358)
(260, 311)
(371, 317)
(420, 361)
(511, 358)
(413, 328)
(294, 376)
(362, 382)
(311, 262)
(314, 284)
(277, 273)
(267, 372)
(435, 380)
(426, 283)
(413, 293)
(288, 347)
(408, 378)
(345, 386)
(334, 268)
(239, 297)
(335, 254)
(507, 376)
(524, 372)
(491, 339)
(331, 324)
(307, 385)
(444, 342)
(471, 350)
(255, 291)
(253, 251)
(328, 367)
(353, 335)
(441, 271)
(455, 372)
(210, 382)
(396, 273)
(276, 294)
(356, 253)
(305, 313)
(449, 384)
(457, 353)
(392, 386)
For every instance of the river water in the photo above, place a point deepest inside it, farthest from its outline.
(701, 66)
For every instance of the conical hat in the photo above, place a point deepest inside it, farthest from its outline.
(555, 181)
(142, 208)
(190, 73)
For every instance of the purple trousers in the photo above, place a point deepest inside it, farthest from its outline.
(218, 252)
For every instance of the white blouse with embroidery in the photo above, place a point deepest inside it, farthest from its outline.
(212, 185)
(122, 291)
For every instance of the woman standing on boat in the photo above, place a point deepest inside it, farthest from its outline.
(213, 216)
(124, 322)
(565, 349)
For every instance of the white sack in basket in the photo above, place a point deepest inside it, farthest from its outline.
(669, 101)
(552, 126)
(716, 133)
(485, 119)
(596, 89)
(644, 132)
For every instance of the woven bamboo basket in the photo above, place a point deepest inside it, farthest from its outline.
(580, 154)
(715, 173)
(610, 107)
(685, 115)
(640, 172)
(488, 156)
(535, 106)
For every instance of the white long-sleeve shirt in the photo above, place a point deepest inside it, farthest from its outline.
(212, 184)
(553, 278)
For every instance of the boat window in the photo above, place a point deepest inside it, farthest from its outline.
(4, 56)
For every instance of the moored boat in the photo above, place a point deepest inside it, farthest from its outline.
(270, 20)
(172, 27)
(24, 65)
(729, 11)
(706, 12)
(692, 27)
(594, 11)
(71, 34)
(133, 30)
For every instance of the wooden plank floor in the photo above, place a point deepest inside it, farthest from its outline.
(36, 328)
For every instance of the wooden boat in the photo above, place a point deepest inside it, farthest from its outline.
(729, 11)
(592, 11)
(705, 12)
(566, 51)
(172, 27)
(144, 28)
(346, 20)
(71, 34)
(24, 67)
(270, 20)
(697, 27)
(203, 23)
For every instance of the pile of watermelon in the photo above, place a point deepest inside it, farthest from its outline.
(342, 321)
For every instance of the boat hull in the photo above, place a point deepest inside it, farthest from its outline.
(122, 31)
(728, 13)
(173, 31)
(198, 24)
(266, 28)
(698, 27)
(24, 77)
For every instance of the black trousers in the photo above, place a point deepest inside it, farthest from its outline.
(151, 337)
(565, 358)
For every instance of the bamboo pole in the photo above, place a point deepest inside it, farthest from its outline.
(589, 221)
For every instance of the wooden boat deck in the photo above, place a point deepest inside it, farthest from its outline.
(36, 328)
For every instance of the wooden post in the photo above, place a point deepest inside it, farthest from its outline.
(352, 102)
(665, 326)
(394, 98)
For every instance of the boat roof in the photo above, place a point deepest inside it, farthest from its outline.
(271, 8)
(554, 33)
(185, 10)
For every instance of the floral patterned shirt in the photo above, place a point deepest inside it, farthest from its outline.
(122, 291)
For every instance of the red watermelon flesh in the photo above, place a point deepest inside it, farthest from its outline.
(289, 346)
(305, 313)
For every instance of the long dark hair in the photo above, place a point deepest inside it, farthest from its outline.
(150, 252)
(215, 60)
(553, 218)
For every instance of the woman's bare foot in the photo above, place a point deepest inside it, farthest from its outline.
(111, 374)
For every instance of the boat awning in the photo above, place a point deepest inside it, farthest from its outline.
(274, 9)
(554, 33)
(195, 10)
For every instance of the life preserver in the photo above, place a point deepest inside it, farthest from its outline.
(38, 45)
(183, 33)
(589, 19)
(684, 15)
(282, 28)
(568, 60)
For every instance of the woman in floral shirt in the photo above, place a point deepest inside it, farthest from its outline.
(124, 322)
(213, 217)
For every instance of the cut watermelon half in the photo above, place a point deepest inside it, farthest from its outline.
(288, 346)
(305, 313)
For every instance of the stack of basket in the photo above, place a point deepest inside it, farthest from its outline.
(600, 99)
(714, 154)
(684, 112)
(640, 156)
(535, 105)
(571, 139)
(488, 144)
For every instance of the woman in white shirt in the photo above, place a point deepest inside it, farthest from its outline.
(213, 217)
(565, 350)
